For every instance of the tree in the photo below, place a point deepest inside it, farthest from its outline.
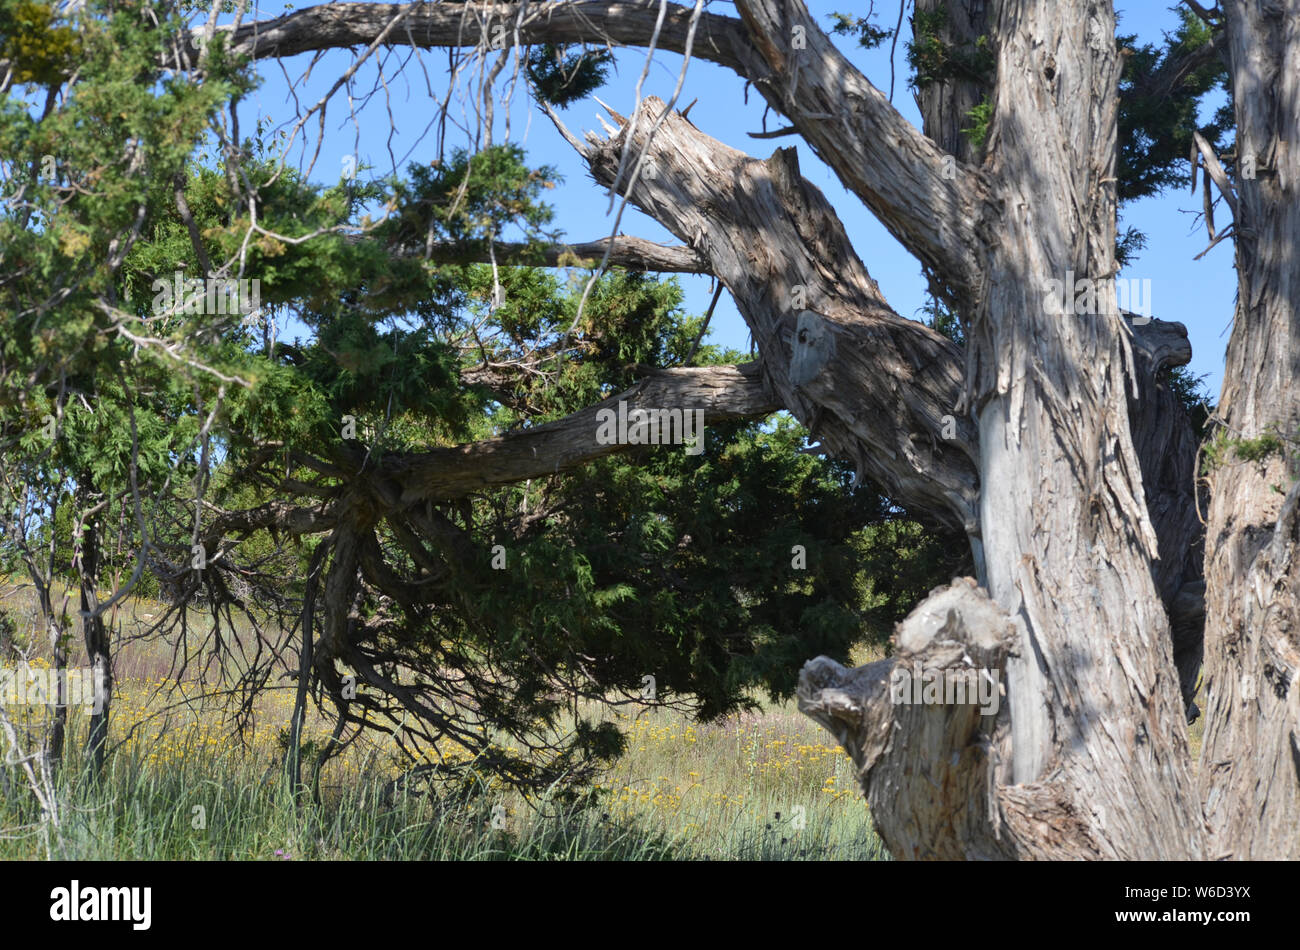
(488, 608)
(1051, 438)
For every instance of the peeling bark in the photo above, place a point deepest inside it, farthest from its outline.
(1069, 543)
(931, 205)
(929, 769)
(893, 390)
(1250, 759)
(874, 387)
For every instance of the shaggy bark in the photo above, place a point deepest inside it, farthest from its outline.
(757, 258)
(1250, 759)
(932, 204)
(1092, 687)
(1167, 449)
(869, 385)
(929, 769)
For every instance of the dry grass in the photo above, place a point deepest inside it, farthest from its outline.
(766, 784)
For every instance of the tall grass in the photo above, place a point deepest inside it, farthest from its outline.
(764, 785)
(221, 804)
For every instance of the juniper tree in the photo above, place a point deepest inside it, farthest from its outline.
(1052, 441)
(204, 453)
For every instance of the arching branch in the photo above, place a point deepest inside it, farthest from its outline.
(633, 253)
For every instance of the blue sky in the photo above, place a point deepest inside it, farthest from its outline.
(1199, 294)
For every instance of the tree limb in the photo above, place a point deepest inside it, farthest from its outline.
(722, 392)
(929, 204)
(890, 400)
(928, 200)
(719, 39)
(634, 253)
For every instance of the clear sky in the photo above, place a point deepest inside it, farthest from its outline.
(392, 127)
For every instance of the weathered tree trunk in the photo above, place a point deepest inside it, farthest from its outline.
(1250, 760)
(1067, 539)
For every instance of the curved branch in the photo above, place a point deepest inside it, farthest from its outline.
(931, 202)
(722, 393)
(926, 201)
(633, 253)
(719, 39)
(890, 399)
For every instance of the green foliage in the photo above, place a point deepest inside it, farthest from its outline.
(13, 642)
(932, 59)
(901, 561)
(1155, 127)
(1223, 449)
(717, 574)
(868, 34)
(472, 198)
(1127, 244)
(55, 246)
(560, 77)
(681, 567)
(1191, 394)
(1254, 450)
(941, 317)
(980, 117)
(39, 51)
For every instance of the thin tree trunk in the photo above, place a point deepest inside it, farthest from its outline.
(98, 646)
(57, 638)
(55, 626)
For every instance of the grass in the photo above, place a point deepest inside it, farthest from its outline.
(768, 785)
(732, 791)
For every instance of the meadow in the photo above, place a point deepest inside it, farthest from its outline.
(763, 785)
